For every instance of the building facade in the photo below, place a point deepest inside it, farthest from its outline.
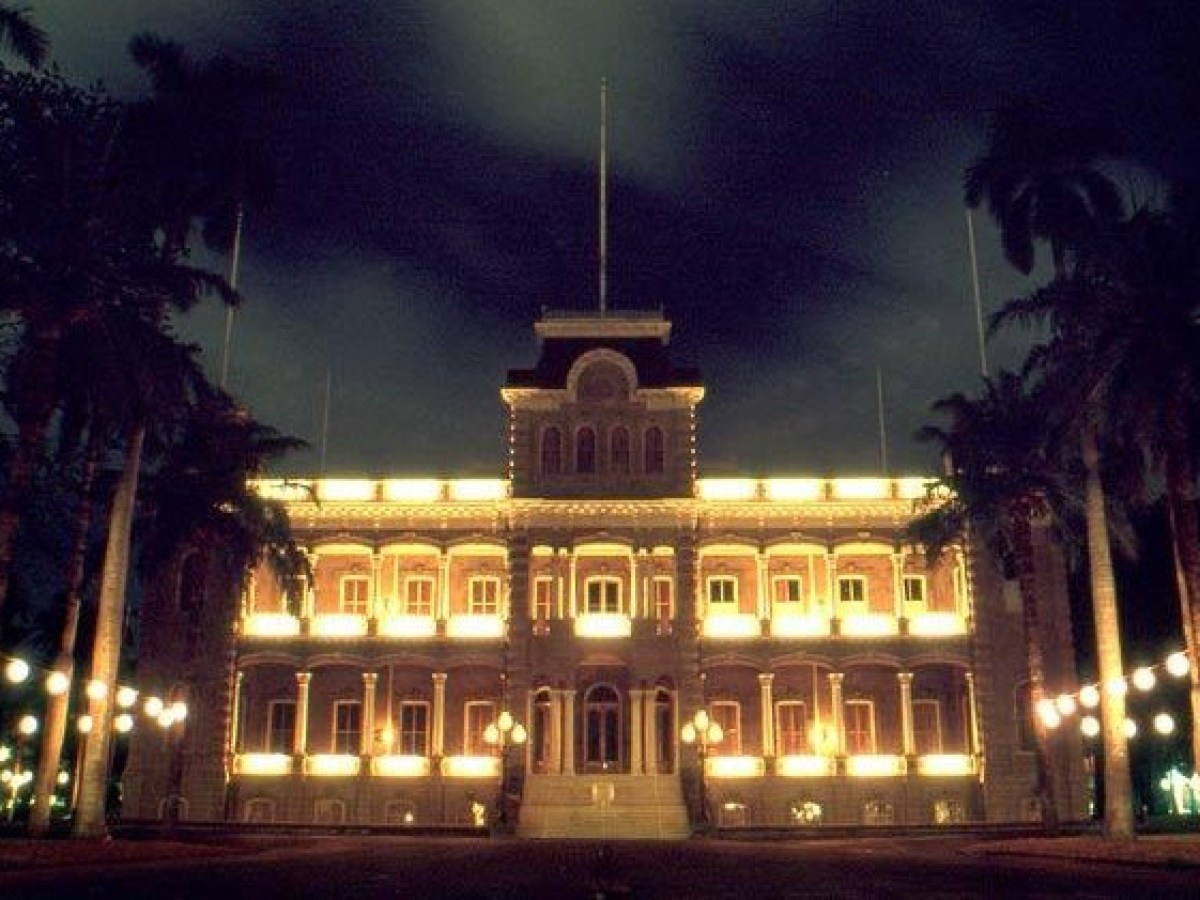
(533, 651)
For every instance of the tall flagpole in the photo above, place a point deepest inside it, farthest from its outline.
(325, 417)
(983, 363)
(883, 448)
(603, 196)
(235, 258)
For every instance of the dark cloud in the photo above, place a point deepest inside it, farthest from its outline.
(786, 183)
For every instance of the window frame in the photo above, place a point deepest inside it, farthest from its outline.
(272, 731)
(846, 581)
(474, 743)
(482, 605)
(804, 746)
(586, 450)
(938, 741)
(603, 581)
(731, 739)
(661, 584)
(871, 731)
(411, 608)
(920, 581)
(340, 733)
(541, 606)
(354, 606)
(404, 746)
(723, 604)
(551, 450)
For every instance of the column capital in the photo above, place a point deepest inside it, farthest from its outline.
(439, 677)
(303, 678)
(370, 677)
(765, 678)
(836, 677)
(905, 678)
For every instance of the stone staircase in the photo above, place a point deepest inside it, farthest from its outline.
(617, 807)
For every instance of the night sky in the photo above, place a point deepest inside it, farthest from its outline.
(785, 182)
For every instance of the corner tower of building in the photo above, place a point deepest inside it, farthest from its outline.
(604, 412)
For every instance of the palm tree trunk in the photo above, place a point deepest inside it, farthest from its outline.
(57, 706)
(106, 649)
(1032, 628)
(1118, 788)
(1185, 544)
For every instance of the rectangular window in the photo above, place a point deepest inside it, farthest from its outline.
(664, 607)
(347, 726)
(543, 599)
(478, 715)
(353, 594)
(418, 596)
(727, 714)
(927, 726)
(413, 733)
(281, 726)
(722, 592)
(860, 727)
(914, 588)
(852, 589)
(602, 595)
(484, 596)
(791, 728)
(788, 590)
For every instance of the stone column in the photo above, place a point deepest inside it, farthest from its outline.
(835, 609)
(637, 712)
(767, 704)
(235, 715)
(307, 588)
(300, 736)
(907, 738)
(838, 714)
(438, 738)
(899, 608)
(568, 748)
(972, 716)
(763, 588)
(373, 600)
(555, 763)
(635, 595)
(370, 680)
(442, 608)
(573, 607)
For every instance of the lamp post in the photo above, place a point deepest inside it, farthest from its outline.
(505, 732)
(704, 733)
(16, 778)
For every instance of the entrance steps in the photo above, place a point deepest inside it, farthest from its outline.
(603, 806)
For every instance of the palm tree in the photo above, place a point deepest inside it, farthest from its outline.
(20, 35)
(1042, 180)
(999, 481)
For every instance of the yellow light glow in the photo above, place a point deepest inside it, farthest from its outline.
(339, 625)
(1164, 723)
(123, 723)
(913, 488)
(803, 766)
(465, 626)
(412, 490)
(794, 489)
(1089, 696)
(153, 707)
(270, 625)
(408, 626)
(478, 489)
(345, 490)
(283, 490)
(16, 671)
(27, 725)
(1178, 664)
(603, 625)
(734, 766)
(726, 488)
(1118, 687)
(57, 683)
(332, 764)
(126, 697)
(870, 625)
(731, 625)
(85, 724)
(263, 764)
(861, 488)
(400, 766)
(1090, 726)
(471, 766)
(936, 624)
(946, 764)
(1065, 704)
(1129, 728)
(1143, 678)
(179, 710)
(96, 690)
(792, 625)
(874, 765)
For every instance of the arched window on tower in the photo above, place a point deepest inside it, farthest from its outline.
(620, 450)
(654, 449)
(585, 450)
(551, 451)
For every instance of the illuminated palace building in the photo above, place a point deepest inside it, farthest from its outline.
(601, 643)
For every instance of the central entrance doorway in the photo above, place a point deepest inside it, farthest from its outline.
(602, 729)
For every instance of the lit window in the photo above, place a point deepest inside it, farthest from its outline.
(483, 597)
(585, 450)
(654, 450)
(927, 726)
(852, 589)
(728, 714)
(860, 727)
(722, 591)
(347, 726)
(281, 726)
(602, 595)
(878, 812)
(478, 714)
(418, 596)
(413, 734)
(806, 812)
(551, 451)
(353, 594)
(664, 609)
(791, 733)
(788, 590)
(948, 812)
(914, 588)
(543, 599)
(620, 450)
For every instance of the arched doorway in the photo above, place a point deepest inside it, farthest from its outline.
(541, 734)
(601, 729)
(663, 758)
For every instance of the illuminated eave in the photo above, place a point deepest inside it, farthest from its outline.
(471, 766)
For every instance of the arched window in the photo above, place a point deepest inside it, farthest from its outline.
(551, 451)
(654, 449)
(585, 450)
(620, 450)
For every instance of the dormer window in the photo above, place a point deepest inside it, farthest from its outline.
(585, 451)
